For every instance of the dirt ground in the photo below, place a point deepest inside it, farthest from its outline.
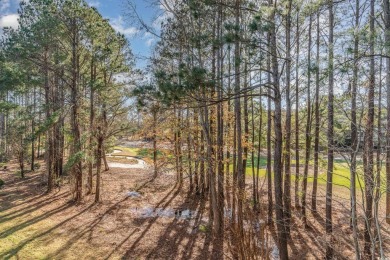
(36, 225)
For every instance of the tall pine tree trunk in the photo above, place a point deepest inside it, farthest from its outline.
(287, 160)
(278, 149)
(296, 190)
(368, 157)
(330, 135)
(354, 133)
(76, 145)
(317, 120)
(386, 7)
(237, 109)
(308, 127)
(269, 144)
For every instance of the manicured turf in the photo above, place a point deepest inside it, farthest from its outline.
(341, 174)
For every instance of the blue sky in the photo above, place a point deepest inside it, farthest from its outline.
(117, 11)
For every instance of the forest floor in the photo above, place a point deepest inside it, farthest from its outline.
(142, 218)
(35, 225)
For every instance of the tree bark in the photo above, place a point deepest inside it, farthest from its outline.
(76, 146)
(308, 126)
(155, 170)
(330, 134)
(219, 220)
(278, 180)
(287, 153)
(297, 166)
(99, 153)
(368, 157)
(354, 133)
(91, 147)
(386, 7)
(317, 120)
(269, 144)
(237, 109)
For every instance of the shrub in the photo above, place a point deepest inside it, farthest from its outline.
(37, 166)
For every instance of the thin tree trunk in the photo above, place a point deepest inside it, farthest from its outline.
(180, 154)
(317, 120)
(278, 149)
(39, 138)
(368, 157)
(33, 133)
(259, 150)
(91, 147)
(49, 138)
(378, 237)
(76, 149)
(99, 154)
(329, 179)
(269, 146)
(386, 7)
(155, 148)
(308, 127)
(106, 167)
(219, 223)
(228, 143)
(237, 108)
(354, 134)
(197, 150)
(246, 121)
(254, 176)
(202, 166)
(296, 190)
(287, 166)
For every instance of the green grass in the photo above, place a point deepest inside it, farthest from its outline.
(142, 153)
(126, 151)
(37, 236)
(263, 162)
(148, 153)
(341, 174)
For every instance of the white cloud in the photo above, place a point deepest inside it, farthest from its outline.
(165, 13)
(158, 21)
(94, 3)
(10, 20)
(4, 5)
(149, 42)
(147, 35)
(119, 25)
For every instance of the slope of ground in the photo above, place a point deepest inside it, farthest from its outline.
(155, 221)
